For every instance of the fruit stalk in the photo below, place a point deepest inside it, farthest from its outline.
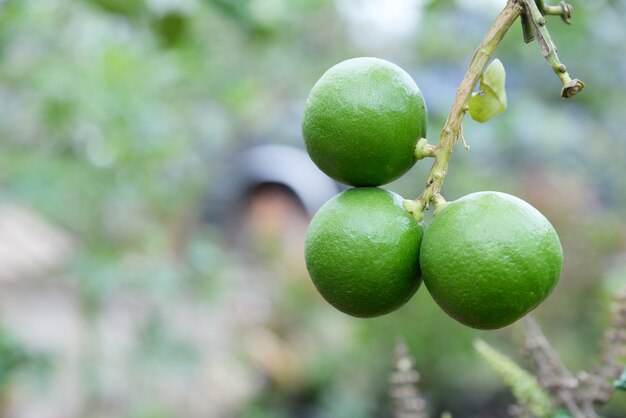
(452, 129)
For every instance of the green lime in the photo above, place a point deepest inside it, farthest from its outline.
(362, 120)
(362, 252)
(489, 258)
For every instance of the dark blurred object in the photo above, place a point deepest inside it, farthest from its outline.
(170, 27)
(261, 180)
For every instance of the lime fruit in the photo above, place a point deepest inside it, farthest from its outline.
(362, 252)
(362, 120)
(489, 258)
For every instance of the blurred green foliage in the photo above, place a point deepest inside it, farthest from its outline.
(115, 116)
(16, 359)
(12, 359)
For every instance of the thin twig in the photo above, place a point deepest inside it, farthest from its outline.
(571, 87)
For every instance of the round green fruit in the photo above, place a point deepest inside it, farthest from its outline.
(362, 121)
(489, 258)
(362, 252)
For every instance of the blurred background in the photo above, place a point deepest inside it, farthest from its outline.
(154, 197)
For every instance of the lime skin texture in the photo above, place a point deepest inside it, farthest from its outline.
(362, 252)
(489, 258)
(362, 120)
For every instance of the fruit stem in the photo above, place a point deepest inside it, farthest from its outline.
(452, 129)
(414, 209)
(423, 149)
(571, 87)
(439, 203)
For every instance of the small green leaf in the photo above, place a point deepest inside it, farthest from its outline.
(490, 100)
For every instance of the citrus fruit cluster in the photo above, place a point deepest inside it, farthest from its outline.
(487, 258)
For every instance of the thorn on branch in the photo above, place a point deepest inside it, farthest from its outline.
(465, 144)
